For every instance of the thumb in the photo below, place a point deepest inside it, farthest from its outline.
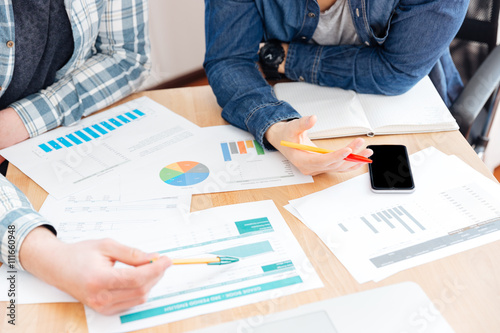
(304, 124)
(125, 254)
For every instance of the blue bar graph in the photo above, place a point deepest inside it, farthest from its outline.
(45, 148)
(65, 142)
(100, 129)
(107, 125)
(55, 145)
(92, 132)
(115, 122)
(131, 115)
(83, 136)
(123, 119)
(73, 138)
(225, 152)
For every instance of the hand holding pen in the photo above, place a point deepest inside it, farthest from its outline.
(295, 131)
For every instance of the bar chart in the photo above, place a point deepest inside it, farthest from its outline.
(91, 132)
(240, 148)
(386, 219)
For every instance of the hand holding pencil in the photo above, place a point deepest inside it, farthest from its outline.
(350, 157)
(295, 131)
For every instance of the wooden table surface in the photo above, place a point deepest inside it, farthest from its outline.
(465, 287)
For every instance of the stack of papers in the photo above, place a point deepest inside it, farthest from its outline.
(98, 148)
(154, 152)
(454, 208)
(224, 158)
(271, 264)
(129, 173)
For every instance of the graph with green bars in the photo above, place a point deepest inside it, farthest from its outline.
(240, 148)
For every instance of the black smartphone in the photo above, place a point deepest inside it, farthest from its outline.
(390, 171)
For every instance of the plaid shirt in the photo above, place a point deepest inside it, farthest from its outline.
(110, 61)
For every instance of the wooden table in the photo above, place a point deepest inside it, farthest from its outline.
(465, 287)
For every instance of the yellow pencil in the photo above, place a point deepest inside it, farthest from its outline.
(222, 260)
(350, 157)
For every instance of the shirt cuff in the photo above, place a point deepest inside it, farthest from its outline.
(261, 118)
(303, 62)
(37, 113)
(23, 221)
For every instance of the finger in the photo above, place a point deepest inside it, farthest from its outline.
(121, 306)
(336, 158)
(135, 277)
(126, 254)
(354, 167)
(303, 124)
(115, 296)
(356, 144)
(366, 152)
(351, 166)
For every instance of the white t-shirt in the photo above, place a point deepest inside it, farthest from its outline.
(335, 26)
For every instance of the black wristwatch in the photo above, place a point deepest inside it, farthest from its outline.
(271, 55)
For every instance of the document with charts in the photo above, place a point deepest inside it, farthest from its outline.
(70, 159)
(454, 208)
(91, 214)
(272, 264)
(224, 158)
(345, 112)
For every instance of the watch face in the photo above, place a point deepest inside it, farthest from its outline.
(272, 54)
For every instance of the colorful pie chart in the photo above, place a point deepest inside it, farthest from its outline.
(184, 173)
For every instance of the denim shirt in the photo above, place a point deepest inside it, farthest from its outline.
(402, 41)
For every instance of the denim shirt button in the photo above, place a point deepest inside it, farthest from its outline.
(367, 43)
(301, 78)
(303, 37)
(10, 44)
(311, 15)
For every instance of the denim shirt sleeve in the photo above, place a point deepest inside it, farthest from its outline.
(17, 219)
(419, 33)
(117, 63)
(233, 31)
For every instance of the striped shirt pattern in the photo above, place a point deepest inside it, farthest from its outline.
(110, 61)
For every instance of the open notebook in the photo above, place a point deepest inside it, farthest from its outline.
(345, 112)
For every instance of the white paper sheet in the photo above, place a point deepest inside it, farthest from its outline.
(272, 264)
(70, 159)
(454, 208)
(225, 158)
(93, 214)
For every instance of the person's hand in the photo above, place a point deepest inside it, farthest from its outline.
(281, 68)
(12, 129)
(85, 270)
(312, 163)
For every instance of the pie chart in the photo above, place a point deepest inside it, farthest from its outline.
(184, 173)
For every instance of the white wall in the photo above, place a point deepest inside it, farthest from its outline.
(177, 33)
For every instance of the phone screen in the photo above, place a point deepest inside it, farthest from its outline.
(390, 169)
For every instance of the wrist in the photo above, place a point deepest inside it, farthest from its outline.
(12, 130)
(271, 57)
(38, 249)
(272, 134)
(281, 67)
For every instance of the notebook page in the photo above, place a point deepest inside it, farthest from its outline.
(420, 107)
(339, 111)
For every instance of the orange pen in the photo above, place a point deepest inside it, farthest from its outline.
(350, 157)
